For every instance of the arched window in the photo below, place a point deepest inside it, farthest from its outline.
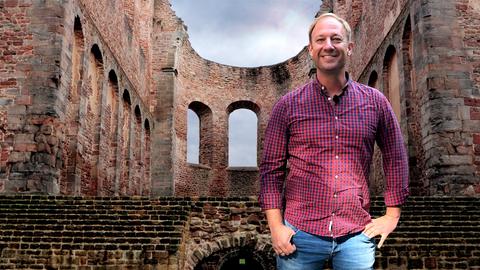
(108, 143)
(242, 134)
(372, 80)
(136, 151)
(124, 142)
(203, 131)
(392, 80)
(69, 175)
(146, 159)
(91, 122)
(193, 137)
(416, 154)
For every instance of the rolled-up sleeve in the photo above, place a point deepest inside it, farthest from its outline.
(395, 160)
(274, 158)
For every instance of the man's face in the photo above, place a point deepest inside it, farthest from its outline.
(329, 46)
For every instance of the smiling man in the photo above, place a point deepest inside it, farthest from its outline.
(326, 131)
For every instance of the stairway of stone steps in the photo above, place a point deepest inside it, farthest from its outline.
(39, 232)
(433, 233)
(59, 232)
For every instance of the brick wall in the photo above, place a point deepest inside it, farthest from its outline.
(29, 129)
(63, 87)
(438, 88)
(217, 87)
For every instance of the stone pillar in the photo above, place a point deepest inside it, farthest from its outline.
(445, 80)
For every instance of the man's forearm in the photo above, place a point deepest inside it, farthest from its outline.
(274, 218)
(393, 211)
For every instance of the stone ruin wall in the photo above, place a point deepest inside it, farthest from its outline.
(91, 138)
(75, 109)
(216, 91)
(437, 62)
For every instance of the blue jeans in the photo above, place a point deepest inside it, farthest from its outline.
(352, 252)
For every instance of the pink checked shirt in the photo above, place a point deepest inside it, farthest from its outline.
(329, 146)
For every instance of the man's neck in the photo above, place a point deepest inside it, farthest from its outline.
(333, 83)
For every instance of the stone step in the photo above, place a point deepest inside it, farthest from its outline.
(88, 212)
(91, 237)
(9, 229)
(86, 246)
(90, 217)
(140, 224)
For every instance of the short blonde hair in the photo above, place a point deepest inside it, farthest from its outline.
(345, 24)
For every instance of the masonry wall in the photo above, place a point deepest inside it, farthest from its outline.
(435, 49)
(213, 91)
(75, 109)
(30, 42)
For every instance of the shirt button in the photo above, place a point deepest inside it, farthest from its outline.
(333, 214)
(336, 157)
(329, 99)
(336, 176)
(336, 137)
(335, 195)
(336, 117)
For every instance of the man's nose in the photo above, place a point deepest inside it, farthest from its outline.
(328, 44)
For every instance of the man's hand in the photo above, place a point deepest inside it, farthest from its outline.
(281, 237)
(383, 225)
(281, 234)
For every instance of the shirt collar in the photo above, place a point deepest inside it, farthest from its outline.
(344, 89)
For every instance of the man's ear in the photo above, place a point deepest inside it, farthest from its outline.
(310, 49)
(350, 48)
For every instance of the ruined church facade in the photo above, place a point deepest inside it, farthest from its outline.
(94, 96)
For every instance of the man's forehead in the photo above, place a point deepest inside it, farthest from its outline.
(328, 23)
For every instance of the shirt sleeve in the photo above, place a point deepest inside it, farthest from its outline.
(274, 159)
(395, 160)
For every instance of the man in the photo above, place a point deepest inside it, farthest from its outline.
(325, 131)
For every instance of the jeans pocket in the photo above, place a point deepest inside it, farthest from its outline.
(365, 236)
(295, 229)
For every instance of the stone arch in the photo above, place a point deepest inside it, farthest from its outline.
(373, 79)
(257, 243)
(391, 80)
(205, 116)
(124, 143)
(136, 153)
(250, 149)
(90, 118)
(70, 174)
(146, 158)
(108, 144)
(416, 155)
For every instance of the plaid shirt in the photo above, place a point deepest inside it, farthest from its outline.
(328, 146)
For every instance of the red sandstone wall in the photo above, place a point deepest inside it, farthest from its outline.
(28, 127)
(61, 103)
(217, 87)
(435, 45)
(469, 19)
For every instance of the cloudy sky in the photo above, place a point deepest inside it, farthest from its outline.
(246, 33)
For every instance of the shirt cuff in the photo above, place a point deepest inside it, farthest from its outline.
(270, 201)
(396, 198)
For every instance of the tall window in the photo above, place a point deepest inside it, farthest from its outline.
(392, 80)
(199, 134)
(193, 137)
(372, 80)
(70, 174)
(242, 137)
